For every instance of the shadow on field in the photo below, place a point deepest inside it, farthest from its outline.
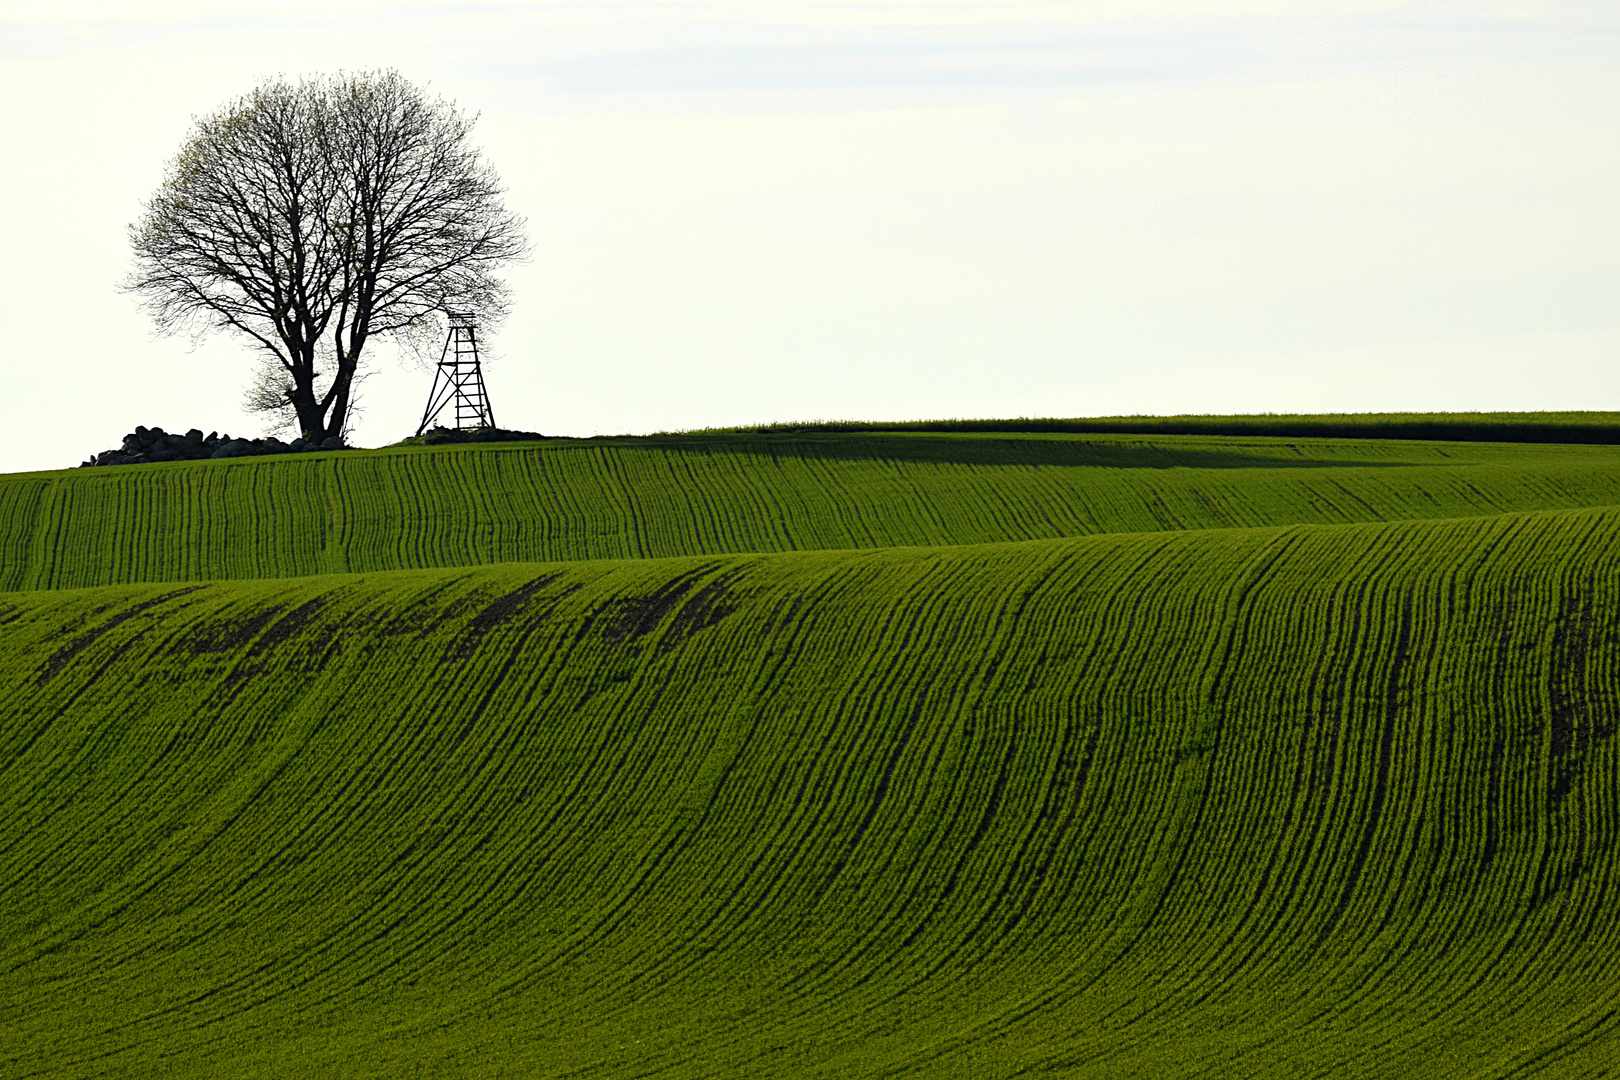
(983, 450)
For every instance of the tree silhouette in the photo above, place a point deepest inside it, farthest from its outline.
(313, 216)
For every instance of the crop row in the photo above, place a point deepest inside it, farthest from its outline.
(1278, 802)
(651, 498)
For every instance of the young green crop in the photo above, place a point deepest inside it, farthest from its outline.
(660, 497)
(1306, 801)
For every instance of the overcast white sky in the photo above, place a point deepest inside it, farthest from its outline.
(755, 211)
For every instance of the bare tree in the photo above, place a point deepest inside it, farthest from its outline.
(314, 216)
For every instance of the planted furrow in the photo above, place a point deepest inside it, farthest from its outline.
(1313, 800)
(662, 497)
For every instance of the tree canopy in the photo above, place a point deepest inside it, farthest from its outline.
(312, 216)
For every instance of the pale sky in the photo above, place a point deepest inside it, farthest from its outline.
(754, 211)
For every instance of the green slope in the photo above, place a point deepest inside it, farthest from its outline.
(659, 497)
(1307, 801)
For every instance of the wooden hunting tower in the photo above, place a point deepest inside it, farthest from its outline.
(459, 380)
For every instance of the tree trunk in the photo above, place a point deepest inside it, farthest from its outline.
(310, 421)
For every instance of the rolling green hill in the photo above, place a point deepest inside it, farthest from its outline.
(1172, 799)
(658, 497)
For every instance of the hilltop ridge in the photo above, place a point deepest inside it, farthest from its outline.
(653, 497)
(1536, 427)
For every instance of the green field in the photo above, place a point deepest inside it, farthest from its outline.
(658, 497)
(1149, 757)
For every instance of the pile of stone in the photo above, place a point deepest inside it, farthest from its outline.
(440, 436)
(146, 444)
